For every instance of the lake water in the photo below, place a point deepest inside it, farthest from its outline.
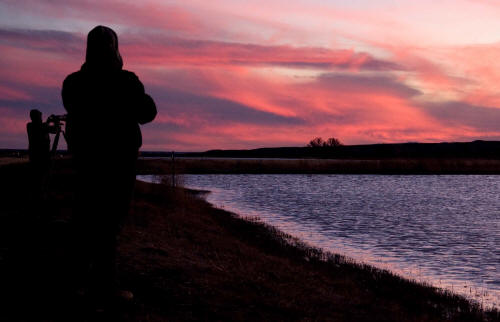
(440, 229)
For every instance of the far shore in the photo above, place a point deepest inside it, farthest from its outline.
(318, 166)
(214, 165)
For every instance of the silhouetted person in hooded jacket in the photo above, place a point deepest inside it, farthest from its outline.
(105, 106)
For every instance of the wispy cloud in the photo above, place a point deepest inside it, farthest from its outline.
(231, 74)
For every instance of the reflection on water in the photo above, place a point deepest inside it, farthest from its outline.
(439, 229)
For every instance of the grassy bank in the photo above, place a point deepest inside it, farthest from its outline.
(308, 166)
(11, 160)
(382, 166)
(185, 260)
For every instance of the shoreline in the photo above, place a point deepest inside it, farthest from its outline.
(186, 260)
(343, 252)
(413, 275)
(328, 257)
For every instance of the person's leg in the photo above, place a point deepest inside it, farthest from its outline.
(103, 274)
(114, 194)
(85, 221)
(120, 188)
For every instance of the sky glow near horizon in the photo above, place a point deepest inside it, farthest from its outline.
(247, 74)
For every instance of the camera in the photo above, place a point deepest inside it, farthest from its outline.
(56, 119)
(55, 122)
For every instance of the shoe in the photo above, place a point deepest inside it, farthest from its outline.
(124, 295)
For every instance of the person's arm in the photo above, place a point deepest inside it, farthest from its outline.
(50, 125)
(28, 130)
(68, 97)
(148, 111)
(67, 93)
(145, 108)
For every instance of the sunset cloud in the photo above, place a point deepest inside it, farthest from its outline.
(231, 74)
(479, 118)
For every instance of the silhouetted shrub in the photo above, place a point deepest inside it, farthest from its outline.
(318, 142)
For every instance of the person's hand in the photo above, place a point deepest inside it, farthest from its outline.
(51, 119)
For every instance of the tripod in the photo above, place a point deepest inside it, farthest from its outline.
(59, 130)
(57, 125)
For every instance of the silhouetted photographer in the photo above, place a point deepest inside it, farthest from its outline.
(39, 153)
(105, 106)
(56, 124)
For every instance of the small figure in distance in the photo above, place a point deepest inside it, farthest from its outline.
(39, 153)
(105, 105)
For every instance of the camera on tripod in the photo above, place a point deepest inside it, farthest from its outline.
(55, 124)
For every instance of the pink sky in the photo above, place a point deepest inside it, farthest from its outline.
(247, 74)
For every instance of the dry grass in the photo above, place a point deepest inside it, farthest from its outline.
(385, 166)
(12, 160)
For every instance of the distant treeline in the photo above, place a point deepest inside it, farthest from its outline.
(466, 150)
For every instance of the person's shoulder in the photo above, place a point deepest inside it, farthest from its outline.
(132, 80)
(129, 75)
(73, 77)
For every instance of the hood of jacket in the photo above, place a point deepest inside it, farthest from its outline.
(102, 51)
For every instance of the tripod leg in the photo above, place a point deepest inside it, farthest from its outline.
(47, 177)
(56, 141)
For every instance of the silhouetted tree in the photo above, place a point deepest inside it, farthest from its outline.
(332, 142)
(316, 143)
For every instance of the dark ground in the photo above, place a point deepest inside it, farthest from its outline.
(185, 260)
(319, 166)
(445, 150)
(480, 150)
